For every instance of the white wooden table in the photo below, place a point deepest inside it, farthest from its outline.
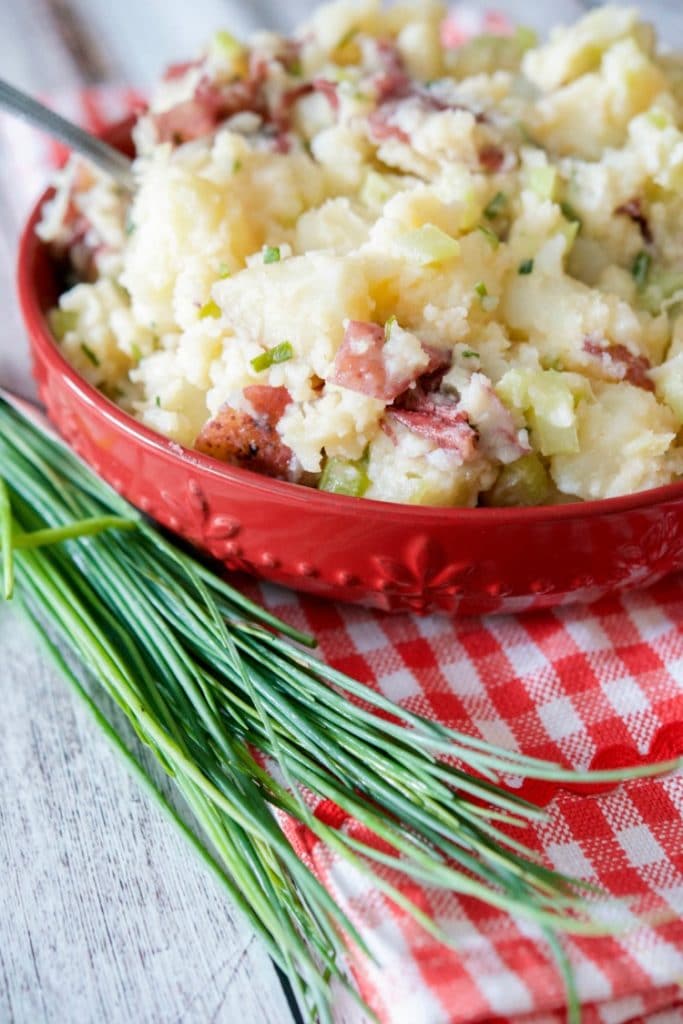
(104, 914)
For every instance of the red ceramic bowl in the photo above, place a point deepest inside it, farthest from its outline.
(393, 557)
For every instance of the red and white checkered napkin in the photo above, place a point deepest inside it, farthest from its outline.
(597, 686)
(594, 686)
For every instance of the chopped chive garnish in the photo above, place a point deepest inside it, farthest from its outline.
(211, 310)
(525, 267)
(271, 254)
(157, 401)
(136, 352)
(490, 236)
(279, 354)
(62, 321)
(295, 67)
(237, 167)
(641, 268)
(469, 353)
(481, 289)
(496, 206)
(570, 214)
(6, 542)
(388, 326)
(223, 271)
(347, 37)
(89, 354)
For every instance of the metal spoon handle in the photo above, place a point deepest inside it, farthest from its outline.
(102, 155)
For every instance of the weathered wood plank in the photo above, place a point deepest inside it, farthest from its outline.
(105, 914)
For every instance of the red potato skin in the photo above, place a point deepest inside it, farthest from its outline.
(251, 441)
(618, 363)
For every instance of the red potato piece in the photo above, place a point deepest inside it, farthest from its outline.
(633, 209)
(360, 363)
(437, 417)
(499, 437)
(281, 115)
(251, 442)
(445, 425)
(268, 402)
(382, 127)
(185, 121)
(618, 363)
(210, 105)
(491, 158)
(175, 71)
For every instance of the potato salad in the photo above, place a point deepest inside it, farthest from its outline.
(364, 261)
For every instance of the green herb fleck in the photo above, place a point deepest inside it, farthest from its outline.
(490, 236)
(496, 206)
(525, 267)
(481, 289)
(210, 310)
(223, 271)
(237, 167)
(62, 321)
(640, 268)
(570, 214)
(347, 38)
(295, 67)
(89, 354)
(389, 325)
(469, 353)
(136, 352)
(157, 401)
(271, 254)
(279, 354)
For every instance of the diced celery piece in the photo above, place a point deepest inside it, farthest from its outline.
(659, 118)
(377, 189)
(429, 244)
(210, 310)
(548, 402)
(225, 45)
(543, 181)
(62, 321)
(523, 482)
(490, 53)
(342, 476)
(525, 37)
(664, 288)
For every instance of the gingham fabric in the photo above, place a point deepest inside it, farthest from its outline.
(594, 686)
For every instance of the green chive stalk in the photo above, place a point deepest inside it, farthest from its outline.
(213, 684)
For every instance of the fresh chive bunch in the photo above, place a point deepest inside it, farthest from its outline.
(210, 681)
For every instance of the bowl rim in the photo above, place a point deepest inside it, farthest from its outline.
(37, 327)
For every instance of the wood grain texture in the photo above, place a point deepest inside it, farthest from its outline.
(105, 915)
